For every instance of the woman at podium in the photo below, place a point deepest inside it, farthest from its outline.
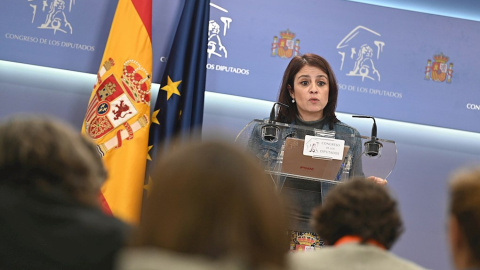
(309, 89)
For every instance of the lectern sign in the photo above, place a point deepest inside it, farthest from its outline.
(323, 147)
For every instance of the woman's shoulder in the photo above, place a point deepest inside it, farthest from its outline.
(345, 128)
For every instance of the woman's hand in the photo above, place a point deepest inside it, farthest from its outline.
(378, 180)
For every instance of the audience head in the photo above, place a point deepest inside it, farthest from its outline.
(296, 64)
(358, 207)
(40, 153)
(213, 200)
(464, 217)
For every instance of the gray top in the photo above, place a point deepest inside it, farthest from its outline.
(350, 256)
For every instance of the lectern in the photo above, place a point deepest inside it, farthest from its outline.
(304, 163)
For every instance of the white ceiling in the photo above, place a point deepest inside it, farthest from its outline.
(464, 9)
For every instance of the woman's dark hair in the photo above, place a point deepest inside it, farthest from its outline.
(288, 115)
(358, 207)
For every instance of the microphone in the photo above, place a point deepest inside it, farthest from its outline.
(373, 146)
(270, 131)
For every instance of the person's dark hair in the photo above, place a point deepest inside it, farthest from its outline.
(214, 200)
(288, 115)
(465, 206)
(44, 154)
(358, 207)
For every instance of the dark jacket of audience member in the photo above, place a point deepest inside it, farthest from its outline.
(464, 218)
(360, 222)
(211, 207)
(50, 215)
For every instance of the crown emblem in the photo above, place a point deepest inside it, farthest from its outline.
(285, 47)
(440, 58)
(137, 79)
(439, 70)
(287, 34)
(306, 239)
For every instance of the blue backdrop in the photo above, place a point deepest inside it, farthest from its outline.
(416, 68)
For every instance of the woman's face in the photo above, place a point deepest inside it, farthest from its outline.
(310, 90)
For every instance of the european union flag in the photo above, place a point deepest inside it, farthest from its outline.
(178, 110)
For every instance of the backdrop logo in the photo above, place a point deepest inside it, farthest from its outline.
(439, 70)
(360, 51)
(52, 15)
(285, 47)
(217, 29)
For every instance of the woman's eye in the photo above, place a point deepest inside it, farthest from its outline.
(304, 83)
(321, 83)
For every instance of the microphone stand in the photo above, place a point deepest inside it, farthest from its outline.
(270, 131)
(373, 146)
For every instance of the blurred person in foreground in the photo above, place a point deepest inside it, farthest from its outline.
(211, 207)
(359, 222)
(464, 218)
(50, 215)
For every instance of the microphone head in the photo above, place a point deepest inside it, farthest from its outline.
(374, 127)
(272, 112)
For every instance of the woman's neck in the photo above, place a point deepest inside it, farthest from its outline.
(310, 118)
(313, 123)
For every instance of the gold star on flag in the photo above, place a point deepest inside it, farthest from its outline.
(148, 155)
(171, 88)
(154, 117)
(148, 186)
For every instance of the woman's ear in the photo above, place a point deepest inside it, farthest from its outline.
(290, 91)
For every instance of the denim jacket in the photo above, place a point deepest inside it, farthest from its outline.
(269, 151)
(303, 199)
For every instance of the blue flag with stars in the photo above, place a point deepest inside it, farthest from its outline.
(178, 110)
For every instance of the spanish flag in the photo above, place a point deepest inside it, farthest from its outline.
(118, 113)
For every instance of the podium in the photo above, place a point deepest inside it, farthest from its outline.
(303, 172)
